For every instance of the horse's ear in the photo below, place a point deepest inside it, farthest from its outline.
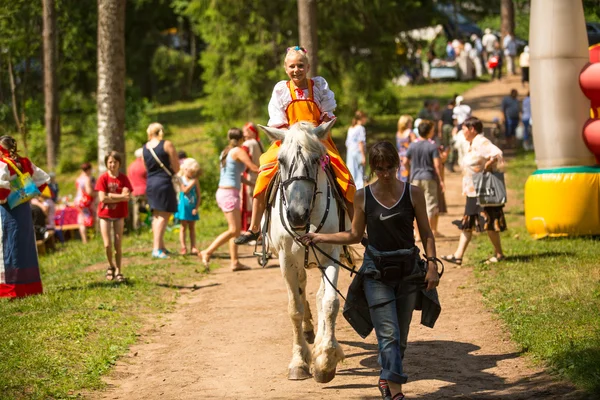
(273, 133)
(321, 130)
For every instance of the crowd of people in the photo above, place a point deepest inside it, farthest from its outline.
(475, 57)
(409, 189)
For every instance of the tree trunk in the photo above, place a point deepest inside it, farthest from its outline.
(111, 80)
(51, 116)
(507, 15)
(15, 107)
(307, 23)
(193, 54)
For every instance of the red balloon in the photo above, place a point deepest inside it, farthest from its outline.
(589, 81)
(591, 136)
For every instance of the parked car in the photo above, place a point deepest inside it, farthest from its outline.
(593, 32)
(457, 25)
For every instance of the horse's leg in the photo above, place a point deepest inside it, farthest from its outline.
(295, 278)
(327, 352)
(307, 325)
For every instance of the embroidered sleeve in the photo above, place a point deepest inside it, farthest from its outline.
(324, 96)
(4, 181)
(280, 99)
(39, 176)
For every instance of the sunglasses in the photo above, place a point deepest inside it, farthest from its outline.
(297, 48)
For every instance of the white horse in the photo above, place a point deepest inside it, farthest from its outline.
(305, 198)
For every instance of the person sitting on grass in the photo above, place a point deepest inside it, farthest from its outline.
(114, 190)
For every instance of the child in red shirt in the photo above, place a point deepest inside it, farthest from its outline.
(114, 190)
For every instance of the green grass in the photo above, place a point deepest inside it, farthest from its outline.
(547, 291)
(59, 343)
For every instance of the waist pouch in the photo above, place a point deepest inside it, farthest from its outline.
(398, 267)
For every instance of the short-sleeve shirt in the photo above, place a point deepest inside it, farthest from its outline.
(478, 153)
(108, 184)
(447, 116)
(511, 107)
(421, 154)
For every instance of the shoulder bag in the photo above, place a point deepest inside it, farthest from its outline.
(174, 178)
(22, 189)
(490, 188)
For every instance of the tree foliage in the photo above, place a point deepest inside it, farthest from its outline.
(246, 42)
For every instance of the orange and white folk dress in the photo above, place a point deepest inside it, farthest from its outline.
(290, 105)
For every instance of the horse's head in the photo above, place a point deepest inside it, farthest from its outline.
(300, 158)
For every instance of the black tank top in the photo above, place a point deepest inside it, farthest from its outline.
(390, 228)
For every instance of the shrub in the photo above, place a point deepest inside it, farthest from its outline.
(170, 69)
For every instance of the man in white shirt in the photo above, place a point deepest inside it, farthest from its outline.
(488, 41)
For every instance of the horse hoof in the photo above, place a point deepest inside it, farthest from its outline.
(324, 376)
(309, 336)
(299, 373)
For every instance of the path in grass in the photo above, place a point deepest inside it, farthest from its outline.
(231, 338)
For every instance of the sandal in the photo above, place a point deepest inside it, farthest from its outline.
(119, 278)
(183, 251)
(399, 396)
(194, 251)
(452, 259)
(205, 260)
(246, 237)
(240, 267)
(110, 273)
(494, 259)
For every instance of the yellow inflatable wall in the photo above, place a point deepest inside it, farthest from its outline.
(563, 202)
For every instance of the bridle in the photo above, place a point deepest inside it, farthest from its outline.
(299, 161)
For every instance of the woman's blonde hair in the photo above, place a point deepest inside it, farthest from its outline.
(189, 164)
(405, 122)
(155, 130)
(296, 51)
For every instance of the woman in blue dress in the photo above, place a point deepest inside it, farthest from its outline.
(189, 200)
(161, 161)
(19, 271)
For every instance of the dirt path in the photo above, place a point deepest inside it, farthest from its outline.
(231, 339)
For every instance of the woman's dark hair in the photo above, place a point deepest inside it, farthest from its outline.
(234, 135)
(474, 122)
(85, 166)
(425, 128)
(10, 144)
(383, 153)
(113, 154)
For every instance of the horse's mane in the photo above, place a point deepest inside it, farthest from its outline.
(300, 134)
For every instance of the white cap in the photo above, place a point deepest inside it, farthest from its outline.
(526, 49)
(487, 31)
(458, 100)
(139, 152)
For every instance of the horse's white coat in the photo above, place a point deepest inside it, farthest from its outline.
(326, 350)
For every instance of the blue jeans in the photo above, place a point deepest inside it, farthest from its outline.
(391, 322)
(526, 132)
(511, 127)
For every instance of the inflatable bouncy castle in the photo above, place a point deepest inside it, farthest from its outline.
(562, 198)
